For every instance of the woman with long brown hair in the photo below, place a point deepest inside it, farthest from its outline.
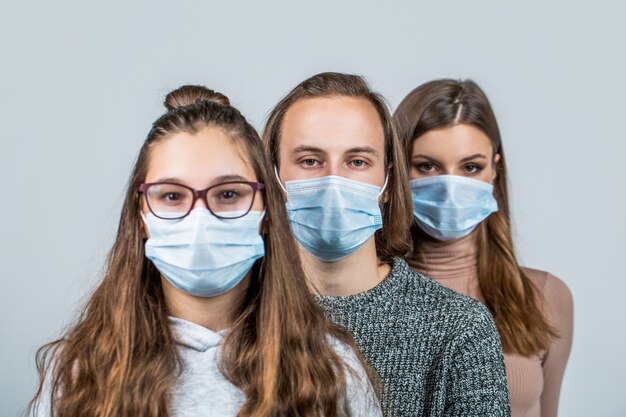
(204, 308)
(462, 236)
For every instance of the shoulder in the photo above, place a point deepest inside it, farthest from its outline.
(439, 297)
(554, 293)
(360, 393)
(352, 361)
(344, 351)
(41, 406)
(451, 309)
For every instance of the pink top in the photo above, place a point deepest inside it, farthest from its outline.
(534, 382)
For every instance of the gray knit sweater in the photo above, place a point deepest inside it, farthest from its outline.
(437, 352)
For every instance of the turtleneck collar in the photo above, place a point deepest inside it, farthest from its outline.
(447, 260)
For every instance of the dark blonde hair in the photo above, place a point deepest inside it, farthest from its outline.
(509, 294)
(121, 358)
(393, 239)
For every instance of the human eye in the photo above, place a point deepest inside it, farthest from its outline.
(227, 194)
(472, 168)
(231, 194)
(171, 196)
(358, 163)
(230, 197)
(425, 167)
(168, 195)
(310, 162)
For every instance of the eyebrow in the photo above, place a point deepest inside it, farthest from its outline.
(428, 158)
(475, 156)
(169, 179)
(222, 178)
(305, 149)
(314, 149)
(466, 159)
(363, 149)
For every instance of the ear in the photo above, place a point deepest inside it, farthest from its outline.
(496, 160)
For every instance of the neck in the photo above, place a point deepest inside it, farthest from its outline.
(354, 274)
(214, 313)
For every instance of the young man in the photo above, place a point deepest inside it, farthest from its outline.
(345, 176)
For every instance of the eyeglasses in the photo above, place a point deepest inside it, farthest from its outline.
(227, 200)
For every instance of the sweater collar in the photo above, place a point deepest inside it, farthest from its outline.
(397, 279)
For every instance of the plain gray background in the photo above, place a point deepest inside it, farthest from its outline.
(80, 84)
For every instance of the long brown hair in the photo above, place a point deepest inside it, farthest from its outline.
(393, 239)
(121, 359)
(509, 294)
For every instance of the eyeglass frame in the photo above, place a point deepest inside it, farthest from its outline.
(143, 188)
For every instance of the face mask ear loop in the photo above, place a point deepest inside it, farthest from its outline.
(278, 178)
(261, 217)
(384, 187)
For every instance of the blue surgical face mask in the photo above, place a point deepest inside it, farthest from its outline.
(201, 254)
(331, 217)
(448, 207)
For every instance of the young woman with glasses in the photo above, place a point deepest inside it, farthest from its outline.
(204, 308)
(462, 236)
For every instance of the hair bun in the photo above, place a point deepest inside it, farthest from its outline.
(192, 94)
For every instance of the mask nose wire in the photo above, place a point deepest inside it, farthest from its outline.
(279, 180)
(382, 190)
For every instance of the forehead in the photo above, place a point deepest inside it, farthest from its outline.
(452, 142)
(332, 123)
(198, 158)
